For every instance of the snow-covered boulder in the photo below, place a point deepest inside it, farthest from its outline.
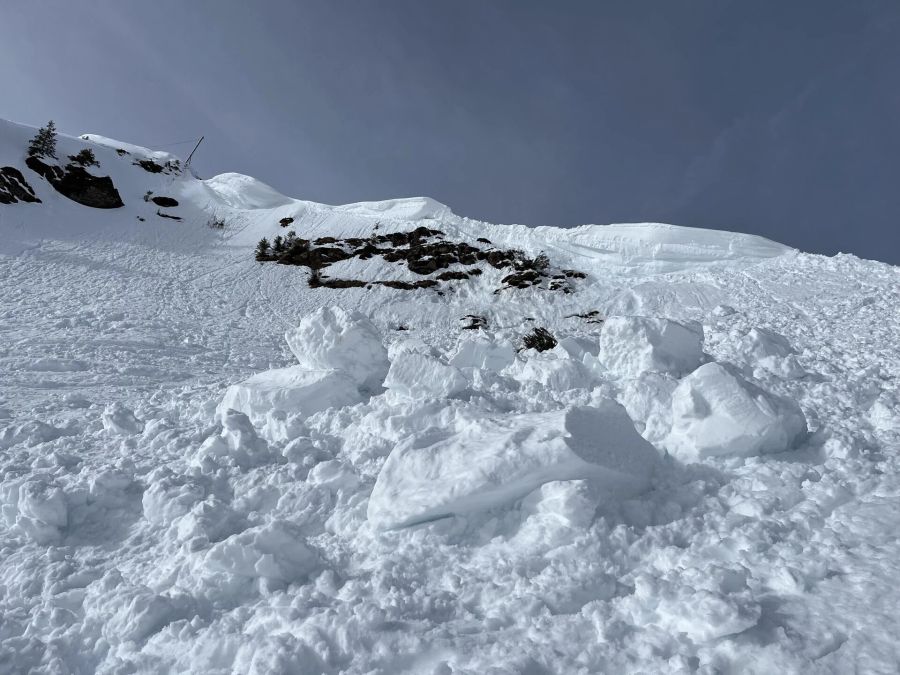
(417, 376)
(294, 390)
(492, 461)
(631, 345)
(332, 338)
(716, 412)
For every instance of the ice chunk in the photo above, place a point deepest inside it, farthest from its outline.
(294, 390)
(492, 461)
(333, 338)
(716, 412)
(416, 376)
(483, 354)
(631, 345)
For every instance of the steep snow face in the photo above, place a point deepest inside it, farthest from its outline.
(209, 465)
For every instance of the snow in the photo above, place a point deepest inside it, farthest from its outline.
(632, 345)
(293, 389)
(333, 338)
(419, 376)
(717, 412)
(707, 480)
(490, 462)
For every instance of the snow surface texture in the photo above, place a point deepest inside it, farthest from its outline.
(182, 489)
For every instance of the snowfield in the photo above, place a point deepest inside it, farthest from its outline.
(208, 466)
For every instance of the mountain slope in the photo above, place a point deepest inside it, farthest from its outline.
(404, 494)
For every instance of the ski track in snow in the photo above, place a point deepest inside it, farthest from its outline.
(136, 538)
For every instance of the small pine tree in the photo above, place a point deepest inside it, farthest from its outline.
(85, 157)
(44, 142)
(542, 262)
(262, 250)
(278, 245)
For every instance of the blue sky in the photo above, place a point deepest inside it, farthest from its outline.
(777, 118)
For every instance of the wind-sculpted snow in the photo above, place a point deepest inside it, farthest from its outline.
(490, 462)
(405, 487)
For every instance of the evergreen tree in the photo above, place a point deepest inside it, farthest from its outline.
(278, 245)
(44, 142)
(85, 157)
(262, 250)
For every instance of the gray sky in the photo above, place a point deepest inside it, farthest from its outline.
(764, 116)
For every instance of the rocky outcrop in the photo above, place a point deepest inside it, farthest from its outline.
(78, 185)
(14, 188)
(165, 202)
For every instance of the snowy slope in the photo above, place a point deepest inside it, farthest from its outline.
(707, 480)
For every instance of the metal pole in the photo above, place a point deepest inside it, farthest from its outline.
(188, 161)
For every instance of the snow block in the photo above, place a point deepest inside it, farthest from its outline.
(483, 354)
(332, 338)
(273, 551)
(631, 345)
(294, 390)
(417, 376)
(494, 461)
(36, 507)
(716, 412)
(119, 420)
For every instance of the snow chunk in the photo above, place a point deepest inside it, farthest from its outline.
(30, 433)
(716, 412)
(274, 551)
(237, 444)
(631, 345)
(294, 390)
(117, 419)
(417, 376)
(771, 352)
(333, 338)
(483, 354)
(36, 507)
(133, 612)
(490, 462)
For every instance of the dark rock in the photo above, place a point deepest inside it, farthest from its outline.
(482, 240)
(149, 165)
(165, 202)
(78, 185)
(284, 222)
(120, 152)
(408, 285)
(170, 167)
(522, 279)
(166, 215)
(14, 188)
(340, 283)
(314, 258)
(540, 339)
(451, 275)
